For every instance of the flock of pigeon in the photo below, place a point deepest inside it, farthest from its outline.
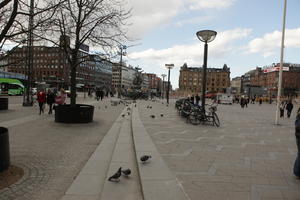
(145, 158)
(126, 172)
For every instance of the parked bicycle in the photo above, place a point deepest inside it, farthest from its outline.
(198, 116)
(194, 114)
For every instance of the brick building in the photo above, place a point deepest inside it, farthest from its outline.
(268, 76)
(190, 79)
(51, 65)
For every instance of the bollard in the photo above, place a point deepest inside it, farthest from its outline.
(4, 149)
(297, 134)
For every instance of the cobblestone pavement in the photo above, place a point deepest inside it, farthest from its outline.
(248, 157)
(51, 154)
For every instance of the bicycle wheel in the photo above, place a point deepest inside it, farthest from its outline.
(193, 119)
(216, 120)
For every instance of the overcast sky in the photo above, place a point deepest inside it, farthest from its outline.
(249, 34)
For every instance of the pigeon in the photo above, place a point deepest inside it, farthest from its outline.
(116, 176)
(147, 106)
(135, 105)
(153, 116)
(128, 113)
(126, 172)
(123, 115)
(145, 158)
(150, 107)
(128, 108)
(167, 105)
(161, 115)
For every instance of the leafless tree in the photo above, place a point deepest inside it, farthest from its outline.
(14, 19)
(99, 23)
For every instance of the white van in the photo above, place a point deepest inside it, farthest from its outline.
(225, 98)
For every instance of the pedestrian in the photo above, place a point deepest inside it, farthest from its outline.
(242, 102)
(197, 99)
(289, 107)
(260, 101)
(192, 99)
(297, 134)
(98, 94)
(281, 108)
(61, 98)
(50, 100)
(101, 94)
(41, 98)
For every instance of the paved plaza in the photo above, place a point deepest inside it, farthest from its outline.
(51, 154)
(247, 157)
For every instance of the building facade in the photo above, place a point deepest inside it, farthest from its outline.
(267, 79)
(122, 77)
(190, 79)
(50, 65)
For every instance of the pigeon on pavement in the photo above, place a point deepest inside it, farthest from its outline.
(153, 116)
(161, 115)
(145, 158)
(126, 172)
(116, 176)
(123, 115)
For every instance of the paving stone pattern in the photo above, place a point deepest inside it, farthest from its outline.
(248, 157)
(51, 154)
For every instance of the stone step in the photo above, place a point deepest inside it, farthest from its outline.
(89, 182)
(128, 188)
(156, 179)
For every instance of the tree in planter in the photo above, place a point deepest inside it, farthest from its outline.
(95, 22)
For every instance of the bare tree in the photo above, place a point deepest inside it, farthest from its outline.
(93, 22)
(14, 19)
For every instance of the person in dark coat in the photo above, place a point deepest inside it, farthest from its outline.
(289, 107)
(101, 94)
(98, 94)
(192, 99)
(50, 100)
(197, 99)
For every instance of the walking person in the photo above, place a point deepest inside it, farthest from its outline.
(260, 101)
(197, 99)
(289, 107)
(281, 108)
(50, 100)
(192, 99)
(61, 98)
(41, 99)
(101, 94)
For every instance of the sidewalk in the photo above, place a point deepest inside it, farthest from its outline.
(248, 157)
(51, 154)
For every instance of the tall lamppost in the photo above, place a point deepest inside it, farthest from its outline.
(205, 36)
(163, 85)
(27, 98)
(169, 67)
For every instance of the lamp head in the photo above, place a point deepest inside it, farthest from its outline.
(206, 35)
(169, 66)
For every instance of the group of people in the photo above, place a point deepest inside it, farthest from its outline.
(194, 99)
(288, 105)
(50, 98)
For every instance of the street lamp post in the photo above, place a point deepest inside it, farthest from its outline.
(27, 101)
(205, 36)
(163, 85)
(169, 67)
